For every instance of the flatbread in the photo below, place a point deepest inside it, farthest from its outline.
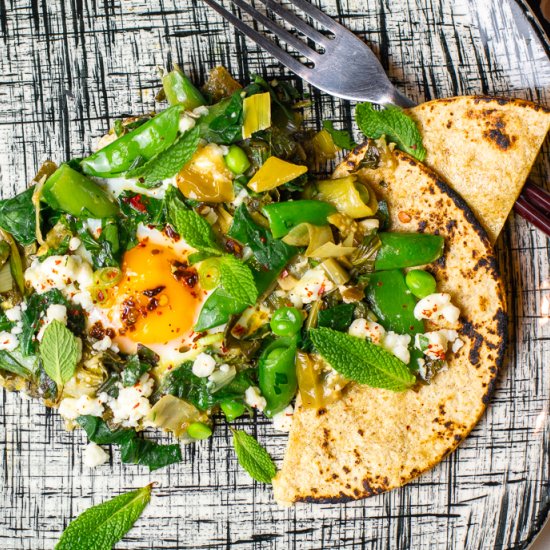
(484, 147)
(373, 440)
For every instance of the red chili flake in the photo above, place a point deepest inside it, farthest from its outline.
(155, 251)
(234, 247)
(151, 292)
(97, 331)
(263, 240)
(187, 275)
(153, 304)
(136, 203)
(170, 232)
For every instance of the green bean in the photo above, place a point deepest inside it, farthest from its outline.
(179, 90)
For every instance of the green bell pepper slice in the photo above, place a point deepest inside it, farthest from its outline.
(401, 250)
(72, 192)
(393, 304)
(283, 216)
(143, 143)
(277, 374)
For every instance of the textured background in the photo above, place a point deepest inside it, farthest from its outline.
(67, 70)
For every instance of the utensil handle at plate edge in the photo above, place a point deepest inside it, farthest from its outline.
(527, 211)
(537, 195)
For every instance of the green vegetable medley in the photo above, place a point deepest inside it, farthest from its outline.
(199, 262)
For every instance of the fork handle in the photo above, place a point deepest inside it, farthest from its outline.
(398, 99)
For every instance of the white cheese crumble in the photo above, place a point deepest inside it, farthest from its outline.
(186, 123)
(8, 341)
(14, 314)
(69, 274)
(398, 345)
(94, 455)
(313, 284)
(74, 243)
(254, 398)
(435, 343)
(132, 404)
(363, 328)
(282, 421)
(204, 365)
(437, 306)
(71, 408)
(104, 344)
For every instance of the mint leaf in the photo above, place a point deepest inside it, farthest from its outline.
(102, 526)
(361, 361)
(253, 457)
(168, 162)
(341, 138)
(59, 351)
(237, 280)
(194, 229)
(394, 124)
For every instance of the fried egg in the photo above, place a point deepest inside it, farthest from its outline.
(157, 300)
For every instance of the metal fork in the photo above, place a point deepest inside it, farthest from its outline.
(346, 68)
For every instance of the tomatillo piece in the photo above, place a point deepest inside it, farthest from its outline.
(286, 321)
(140, 144)
(72, 192)
(199, 430)
(277, 374)
(232, 409)
(284, 216)
(401, 250)
(236, 160)
(420, 283)
(179, 90)
(392, 302)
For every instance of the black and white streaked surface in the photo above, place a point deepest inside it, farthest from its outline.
(67, 70)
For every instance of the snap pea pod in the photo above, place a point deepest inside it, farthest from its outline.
(283, 216)
(143, 143)
(72, 192)
(401, 250)
(179, 90)
(277, 374)
(392, 302)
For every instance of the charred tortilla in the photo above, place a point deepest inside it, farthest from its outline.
(374, 440)
(484, 147)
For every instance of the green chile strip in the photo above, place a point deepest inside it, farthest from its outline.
(283, 216)
(143, 143)
(401, 250)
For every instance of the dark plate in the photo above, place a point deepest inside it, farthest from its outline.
(67, 70)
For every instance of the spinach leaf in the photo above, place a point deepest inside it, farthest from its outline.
(37, 305)
(138, 209)
(218, 309)
(184, 384)
(133, 449)
(5, 323)
(338, 317)
(271, 255)
(138, 365)
(17, 217)
(48, 388)
(104, 249)
(224, 121)
(10, 364)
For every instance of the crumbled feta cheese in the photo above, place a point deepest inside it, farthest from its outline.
(94, 455)
(104, 344)
(457, 344)
(8, 341)
(14, 314)
(313, 284)
(200, 111)
(436, 306)
(241, 196)
(398, 345)
(132, 404)
(55, 312)
(204, 365)
(254, 398)
(70, 274)
(370, 224)
(282, 421)
(362, 328)
(434, 344)
(93, 225)
(186, 123)
(74, 243)
(71, 408)
(18, 328)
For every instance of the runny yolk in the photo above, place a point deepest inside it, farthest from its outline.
(158, 297)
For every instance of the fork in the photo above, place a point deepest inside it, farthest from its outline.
(346, 68)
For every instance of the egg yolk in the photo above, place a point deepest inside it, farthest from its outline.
(158, 297)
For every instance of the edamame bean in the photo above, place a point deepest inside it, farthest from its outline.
(236, 160)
